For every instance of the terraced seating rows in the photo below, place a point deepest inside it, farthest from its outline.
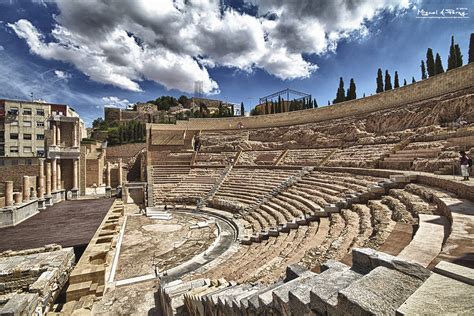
(362, 156)
(255, 158)
(213, 159)
(306, 157)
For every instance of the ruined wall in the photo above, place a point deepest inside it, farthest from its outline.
(448, 82)
(112, 114)
(16, 173)
(125, 151)
(94, 172)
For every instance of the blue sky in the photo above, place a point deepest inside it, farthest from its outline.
(67, 52)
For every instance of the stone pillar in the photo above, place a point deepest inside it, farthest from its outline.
(120, 172)
(75, 178)
(108, 175)
(53, 129)
(41, 187)
(8, 193)
(58, 172)
(26, 189)
(17, 197)
(58, 134)
(74, 135)
(54, 175)
(48, 178)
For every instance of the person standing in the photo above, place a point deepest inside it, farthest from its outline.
(466, 162)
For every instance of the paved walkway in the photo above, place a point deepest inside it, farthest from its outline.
(68, 223)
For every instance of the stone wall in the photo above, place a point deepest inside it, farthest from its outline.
(124, 151)
(448, 82)
(16, 173)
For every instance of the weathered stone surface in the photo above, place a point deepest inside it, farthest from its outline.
(293, 271)
(455, 271)
(381, 291)
(440, 295)
(366, 259)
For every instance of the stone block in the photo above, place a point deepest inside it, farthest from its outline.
(440, 295)
(273, 231)
(382, 291)
(455, 271)
(331, 208)
(292, 225)
(366, 259)
(279, 299)
(294, 271)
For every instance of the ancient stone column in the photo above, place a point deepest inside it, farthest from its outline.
(26, 189)
(54, 175)
(120, 172)
(48, 178)
(8, 193)
(74, 135)
(53, 129)
(75, 173)
(108, 175)
(41, 188)
(58, 134)
(58, 172)
(17, 196)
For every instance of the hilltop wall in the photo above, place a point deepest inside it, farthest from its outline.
(448, 82)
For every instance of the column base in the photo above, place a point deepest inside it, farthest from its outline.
(41, 204)
(108, 192)
(48, 200)
(74, 194)
(63, 195)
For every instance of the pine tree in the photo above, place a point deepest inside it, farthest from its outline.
(379, 81)
(388, 81)
(452, 58)
(430, 63)
(315, 104)
(404, 82)
(341, 94)
(242, 109)
(413, 80)
(351, 92)
(423, 70)
(396, 84)
(438, 65)
(471, 49)
(458, 56)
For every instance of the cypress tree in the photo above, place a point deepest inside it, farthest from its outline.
(379, 81)
(315, 104)
(423, 70)
(279, 103)
(413, 80)
(458, 56)
(471, 49)
(438, 65)
(404, 82)
(452, 58)
(242, 109)
(329, 103)
(388, 81)
(430, 63)
(341, 93)
(351, 92)
(396, 84)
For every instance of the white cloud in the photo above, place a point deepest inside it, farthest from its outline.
(2, 48)
(62, 74)
(175, 42)
(114, 102)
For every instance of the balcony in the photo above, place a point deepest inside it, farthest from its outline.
(60, 152)
(63, 119)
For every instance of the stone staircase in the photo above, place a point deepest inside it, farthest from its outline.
(209, 195)
(403, 159)
(376, 284)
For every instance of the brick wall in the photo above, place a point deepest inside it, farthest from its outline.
(451, 81)
(16, 173)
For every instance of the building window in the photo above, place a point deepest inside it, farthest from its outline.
(13, 149)
(40, 112)
(40, 152)
(39, 137)
(27, 136)
(14, 123)
(13, 111)
(14, 136)
(27, 123)
(39, 124)
(27, 149)
(27, 112)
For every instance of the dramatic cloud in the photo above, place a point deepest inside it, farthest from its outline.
(175, 42)
(115, 102)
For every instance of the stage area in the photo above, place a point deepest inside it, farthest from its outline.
(162, 243)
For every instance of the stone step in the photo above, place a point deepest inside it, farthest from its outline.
(381, 292)
(325, 285)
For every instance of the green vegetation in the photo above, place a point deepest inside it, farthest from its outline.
(379, 81)
(119, 133)
(471, 49)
